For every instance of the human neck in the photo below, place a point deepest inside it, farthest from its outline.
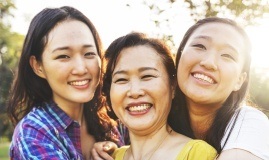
(73, 110)
(201, 118)
(144, 147)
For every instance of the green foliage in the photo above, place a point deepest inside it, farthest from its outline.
(4, 150)
(10, 49)
(248, 10)
(259, 89)
(5, 7)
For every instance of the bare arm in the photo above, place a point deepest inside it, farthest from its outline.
(237, 154)
(102, 150)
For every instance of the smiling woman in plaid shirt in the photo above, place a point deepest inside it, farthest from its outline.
(55, 102)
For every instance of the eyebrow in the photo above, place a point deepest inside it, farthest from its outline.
(210, 39)
(66, 47)
(140, 70)
(203, 37)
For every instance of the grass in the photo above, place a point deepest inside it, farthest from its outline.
(4, 149)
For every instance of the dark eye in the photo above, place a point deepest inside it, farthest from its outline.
(148, 77)
(120, 80)
(62, 57)
(200, 46)
(228, 56)
(89, 54)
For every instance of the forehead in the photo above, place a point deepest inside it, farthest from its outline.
(221, 33)
(138, 56)
(69, 33)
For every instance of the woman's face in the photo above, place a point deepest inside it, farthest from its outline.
(141, 93)
(70, 63)
(210, 68)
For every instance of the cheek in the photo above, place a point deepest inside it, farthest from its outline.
(95, 67)
(184, 61)
(181, 70)
(59, 74)
(115, 95)
(116, 99)
(230, 70)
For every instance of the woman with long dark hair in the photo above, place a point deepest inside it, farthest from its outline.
(213, 67)
(55, 101)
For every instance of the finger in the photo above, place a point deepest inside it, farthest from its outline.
(109, 147)
(99, 152)
(95, 155)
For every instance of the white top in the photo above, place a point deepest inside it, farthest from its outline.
(250, 133)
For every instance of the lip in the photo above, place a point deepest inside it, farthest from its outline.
(206, 74)
(139, 108)
(80, 84)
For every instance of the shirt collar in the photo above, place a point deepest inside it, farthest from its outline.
(58, 114)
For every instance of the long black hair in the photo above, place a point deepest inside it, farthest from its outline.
(223, 116)
(28, 89)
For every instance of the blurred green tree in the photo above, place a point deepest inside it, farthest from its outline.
(259, 88)
(248, 10)
(10, 48)
(163, 12)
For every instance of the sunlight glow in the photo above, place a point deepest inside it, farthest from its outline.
(116, 18)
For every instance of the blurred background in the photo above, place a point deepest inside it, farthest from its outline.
(165, 19)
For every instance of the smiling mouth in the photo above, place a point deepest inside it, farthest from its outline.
(139, 108)
(203, 77)
(79, 83)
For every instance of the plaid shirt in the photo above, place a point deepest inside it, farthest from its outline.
(46, 133)
(124, 134)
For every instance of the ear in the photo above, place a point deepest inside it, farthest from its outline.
(37, 67)
(240, 81)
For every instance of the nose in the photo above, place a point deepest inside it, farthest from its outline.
(135, 89)
(79, 66)
(209, 61)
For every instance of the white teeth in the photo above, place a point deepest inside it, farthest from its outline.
(203, 77)
(79, 83)
(139, 108)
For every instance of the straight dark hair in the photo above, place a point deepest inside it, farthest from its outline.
(28, 89)
(229, 108)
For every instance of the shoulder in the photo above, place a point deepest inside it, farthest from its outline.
(238, 154)
(201, 146)
(249, 118)
(36, 125)
(251, 112)
(249, 132)
(39, 135)
(252, 117)
(38, 119)
(198, 150)
(118, 154)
